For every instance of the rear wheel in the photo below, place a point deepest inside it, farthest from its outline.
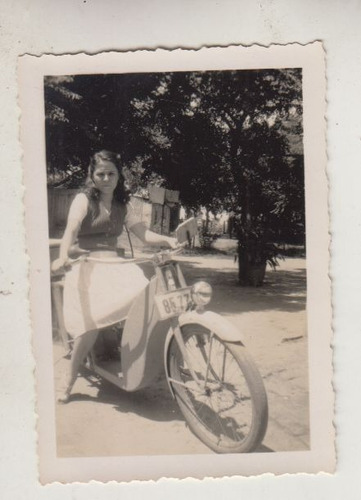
(228, 411)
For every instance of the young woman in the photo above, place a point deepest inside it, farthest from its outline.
(97, 295)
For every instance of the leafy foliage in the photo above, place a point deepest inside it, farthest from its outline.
(227, 140)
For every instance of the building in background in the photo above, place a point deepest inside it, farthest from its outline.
(160, 212)
(165, 209)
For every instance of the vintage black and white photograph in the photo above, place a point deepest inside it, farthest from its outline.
(180, 276)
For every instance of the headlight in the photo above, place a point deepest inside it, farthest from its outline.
(201, 293)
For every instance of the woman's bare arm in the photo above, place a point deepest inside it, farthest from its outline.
(69, 237)
(151, 238)
(77, 213)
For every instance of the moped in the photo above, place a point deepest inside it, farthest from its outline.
(216, 384)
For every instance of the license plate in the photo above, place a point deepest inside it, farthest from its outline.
(173, 303)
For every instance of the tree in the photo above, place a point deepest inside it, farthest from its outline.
(234, 152)
(225, 139)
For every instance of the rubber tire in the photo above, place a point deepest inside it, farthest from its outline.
(255, 385)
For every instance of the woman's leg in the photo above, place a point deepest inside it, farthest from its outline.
(82, 346)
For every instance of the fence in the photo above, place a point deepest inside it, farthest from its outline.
(59, 201)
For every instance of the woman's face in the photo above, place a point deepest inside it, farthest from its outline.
(106, 177)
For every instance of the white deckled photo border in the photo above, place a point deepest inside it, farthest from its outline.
(321, 456)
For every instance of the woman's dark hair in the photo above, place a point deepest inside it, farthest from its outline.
(121, 192)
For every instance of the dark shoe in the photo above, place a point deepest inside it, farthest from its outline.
(64, 393)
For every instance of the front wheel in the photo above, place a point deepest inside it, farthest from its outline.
(227, 408)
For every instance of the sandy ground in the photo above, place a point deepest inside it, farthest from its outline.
(102, 420)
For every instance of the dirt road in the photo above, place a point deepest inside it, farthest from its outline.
(102, 420)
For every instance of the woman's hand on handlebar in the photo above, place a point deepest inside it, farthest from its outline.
(60, 266)
(172, 242)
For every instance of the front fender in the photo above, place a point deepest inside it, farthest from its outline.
(218, 325)
(214, 322)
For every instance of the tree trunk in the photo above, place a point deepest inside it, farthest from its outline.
(207, 221)
(243, 265)
(243, 250)
(249, 274)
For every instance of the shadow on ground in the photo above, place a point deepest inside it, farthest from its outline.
(283, 290)
(154, 402)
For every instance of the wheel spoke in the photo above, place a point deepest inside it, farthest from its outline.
(222, 414)
(223, 362)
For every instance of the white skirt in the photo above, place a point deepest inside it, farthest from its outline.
(98, 294)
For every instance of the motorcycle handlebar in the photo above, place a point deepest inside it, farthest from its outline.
(156, 258)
